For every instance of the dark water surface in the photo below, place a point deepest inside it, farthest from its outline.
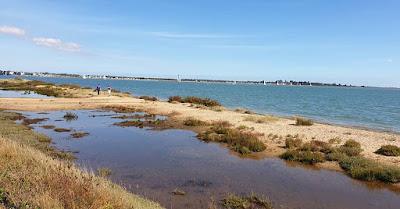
(377, 108)
(154, 163)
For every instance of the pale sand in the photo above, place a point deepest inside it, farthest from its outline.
(370, 140)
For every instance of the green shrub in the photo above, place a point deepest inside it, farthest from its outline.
(389, 150)
(317, 146)
(233, 201)
(306, 157)
(70, 116)
(303, 122)
(350, 148)
(195, 100)
(236, 139)
(368, 170)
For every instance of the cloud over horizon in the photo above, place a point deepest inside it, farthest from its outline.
(188, 35)
(57, 44)
(10, 30)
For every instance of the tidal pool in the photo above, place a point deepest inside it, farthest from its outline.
(20, 94)
(154, 163)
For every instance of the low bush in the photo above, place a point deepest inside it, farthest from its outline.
(350, 148)
(260, 118)
(307, 157)
(62, 130)
(77, 135)
(236, 139)
(70, 116)
(389, 150)
(195, 100)
(317, 146)
(293, 141)
(368, 170)
(194, 122)
(233, 201)
(303, 122)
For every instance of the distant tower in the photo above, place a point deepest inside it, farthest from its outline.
(264, 83)
(179, 78)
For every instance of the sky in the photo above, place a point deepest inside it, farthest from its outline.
(344, 41)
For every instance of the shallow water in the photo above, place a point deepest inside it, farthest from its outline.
(154, 163)
(20, 94)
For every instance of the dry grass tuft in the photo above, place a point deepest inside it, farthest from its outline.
(303, 122)
(62, 130)
(69, 116)
(77, 135)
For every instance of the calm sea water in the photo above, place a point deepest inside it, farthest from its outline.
(377, 108)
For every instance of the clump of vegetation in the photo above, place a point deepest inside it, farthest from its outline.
(260, 118)
(148, 98)
(104, 172)
(244, 111)
(238, 140)
(389, 150)
(368, 170)
(121, 109)
(38, 87)
(29, 121)
(317, 146)
(194, 100)
(194, 122)
(233, 201)
(293, 141)
(307, 157)
(350, 148)
(69, 116)
(303, 121)
(335, 140)
(77, 135)
(48, 126)
(62, 130)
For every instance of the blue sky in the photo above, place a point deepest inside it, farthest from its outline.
(345, 41)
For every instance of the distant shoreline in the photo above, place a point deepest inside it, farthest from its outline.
(178, 79)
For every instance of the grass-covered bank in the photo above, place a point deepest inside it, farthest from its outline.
(35, 175)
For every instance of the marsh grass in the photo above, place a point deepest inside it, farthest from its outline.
(29, 121)
(303, 121)
(69, 116)
(388, 150)
(32, 178)
(121, 109)
(261, 118)
(62, 130)
(194, 122)
(77, 135)
(307, 157)
(350, 148)
(148, 98)
(241, 141)
(48, 126)
(251, 201)
(104, 172)
(38, 87)
(194, 100)
(24, 135)
(293, 141)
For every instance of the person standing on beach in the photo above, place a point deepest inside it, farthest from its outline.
(109, 90)
(98, 89)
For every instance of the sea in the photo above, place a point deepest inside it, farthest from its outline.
(369, 107)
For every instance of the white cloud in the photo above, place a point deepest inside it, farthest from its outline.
(188, 35)
(9, 30)
(57, 44)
